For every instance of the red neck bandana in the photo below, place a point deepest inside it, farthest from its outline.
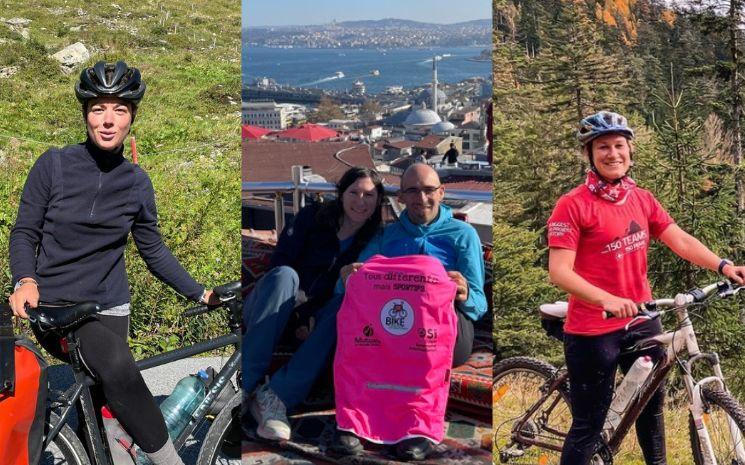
(610, 192)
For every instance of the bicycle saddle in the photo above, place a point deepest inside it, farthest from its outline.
(61, 319)
(553, 311)
(228, 290)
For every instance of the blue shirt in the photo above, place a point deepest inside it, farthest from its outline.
(455, 243)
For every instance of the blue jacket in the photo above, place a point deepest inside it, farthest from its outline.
(455, 243)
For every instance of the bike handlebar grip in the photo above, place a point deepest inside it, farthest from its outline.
(640, 307)
(198, 310)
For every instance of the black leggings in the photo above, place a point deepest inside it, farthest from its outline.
(592, 362)
(106, 354)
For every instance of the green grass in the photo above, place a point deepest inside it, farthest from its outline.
(514, 395)
(187, 130)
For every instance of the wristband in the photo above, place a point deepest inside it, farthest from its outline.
(723, 263)
(23, 281)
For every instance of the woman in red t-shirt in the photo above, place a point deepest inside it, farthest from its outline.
(598, 236)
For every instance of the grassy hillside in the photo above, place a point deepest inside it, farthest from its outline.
(187, 130)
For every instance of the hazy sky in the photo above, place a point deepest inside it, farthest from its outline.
(298, 12)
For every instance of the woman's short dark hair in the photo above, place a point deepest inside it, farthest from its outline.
(332, 213)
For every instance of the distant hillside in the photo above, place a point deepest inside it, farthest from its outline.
(385, 33)
(377, 23)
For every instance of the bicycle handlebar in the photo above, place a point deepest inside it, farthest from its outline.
(225, 293)
(654, 308)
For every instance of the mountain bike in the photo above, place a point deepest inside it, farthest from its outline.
(531, 397)
(221, 444)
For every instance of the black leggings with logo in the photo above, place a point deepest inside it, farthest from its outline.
(592, 362)
(106, 354)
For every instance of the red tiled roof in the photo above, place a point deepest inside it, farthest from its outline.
(429, 142)
(399, 144)
(471, 125)
(253, 132)
(272, 160)
(308, 132)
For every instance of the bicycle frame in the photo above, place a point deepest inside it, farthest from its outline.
(675, 342)
(80, 391)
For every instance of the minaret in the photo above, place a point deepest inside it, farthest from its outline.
(434, 83)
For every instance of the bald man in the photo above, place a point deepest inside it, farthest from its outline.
(426, 227)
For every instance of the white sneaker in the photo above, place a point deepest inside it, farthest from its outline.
(271, 415)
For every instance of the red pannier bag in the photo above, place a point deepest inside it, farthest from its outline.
(396, 331)
(23, 396)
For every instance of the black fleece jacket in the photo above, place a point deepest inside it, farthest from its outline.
(312, 250)
(77, 209)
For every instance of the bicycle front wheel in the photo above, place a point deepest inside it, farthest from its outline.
(521, 383)
(65, 448)
(222, 444)
(724, 419)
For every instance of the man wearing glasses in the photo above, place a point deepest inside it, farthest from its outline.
(426, 227)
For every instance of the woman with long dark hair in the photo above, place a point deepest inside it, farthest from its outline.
(304, 270)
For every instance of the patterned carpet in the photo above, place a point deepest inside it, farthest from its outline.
(469, 409)
(466, 442)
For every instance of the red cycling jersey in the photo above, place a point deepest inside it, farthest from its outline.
(611, 241)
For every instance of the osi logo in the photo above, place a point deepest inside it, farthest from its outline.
(397, 317)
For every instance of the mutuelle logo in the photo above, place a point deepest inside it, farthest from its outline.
(397, 317)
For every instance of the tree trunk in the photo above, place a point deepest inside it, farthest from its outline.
(734, 24)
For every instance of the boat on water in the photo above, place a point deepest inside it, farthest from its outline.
(339, 74)
(375, 72)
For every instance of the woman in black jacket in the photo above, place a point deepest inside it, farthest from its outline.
(305, 268)
(78, 207)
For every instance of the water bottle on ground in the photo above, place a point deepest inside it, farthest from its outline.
(626, 391)
(120, 443)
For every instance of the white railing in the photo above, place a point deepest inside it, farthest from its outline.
(299, 188)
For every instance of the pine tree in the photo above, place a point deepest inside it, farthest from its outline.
(577, 76)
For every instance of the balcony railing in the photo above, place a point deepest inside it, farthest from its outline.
(299, 188)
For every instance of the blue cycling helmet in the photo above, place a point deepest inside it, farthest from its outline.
(601, 123)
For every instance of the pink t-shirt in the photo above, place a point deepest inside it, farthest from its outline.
(611, 241)
(396, 332)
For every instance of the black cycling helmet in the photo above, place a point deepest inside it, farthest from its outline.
(110, 80)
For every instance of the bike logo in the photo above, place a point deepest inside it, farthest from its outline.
(397, 317)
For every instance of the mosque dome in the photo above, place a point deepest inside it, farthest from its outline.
(421, 118)
(443, 127)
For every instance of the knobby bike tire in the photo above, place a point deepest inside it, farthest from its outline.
(65, 448)
(718, 406)
(223, 434)
(519, 383)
